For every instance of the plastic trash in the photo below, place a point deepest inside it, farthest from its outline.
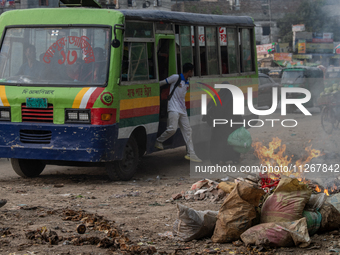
(192, 224)
(240, 139)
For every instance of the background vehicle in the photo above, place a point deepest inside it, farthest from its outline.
(332, 76)
(330, 114)
(265, 94)
(95, 98)
(264, 70)
(276, 75)
(310, 78)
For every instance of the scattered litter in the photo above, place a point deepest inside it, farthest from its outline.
(167, 234)
(204, 183)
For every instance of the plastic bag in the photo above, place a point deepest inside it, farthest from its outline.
(279, 234)
(315, 202)
(240, 139)
(287, 202)
(192, 224)
(237, 213)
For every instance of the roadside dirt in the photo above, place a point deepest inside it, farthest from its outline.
(140, 209)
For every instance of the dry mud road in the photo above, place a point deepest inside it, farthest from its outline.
(140, 209)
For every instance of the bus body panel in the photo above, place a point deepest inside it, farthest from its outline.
(87, 143)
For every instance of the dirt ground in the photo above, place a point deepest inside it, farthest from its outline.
(140, 209)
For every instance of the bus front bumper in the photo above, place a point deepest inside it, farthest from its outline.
(85, 143)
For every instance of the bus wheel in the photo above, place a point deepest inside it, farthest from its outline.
(27, 168)
(125, 169)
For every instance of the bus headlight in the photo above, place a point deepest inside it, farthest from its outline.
(5, 113)
(77, 116)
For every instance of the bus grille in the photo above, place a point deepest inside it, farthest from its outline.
(35, 136)
(37, 114)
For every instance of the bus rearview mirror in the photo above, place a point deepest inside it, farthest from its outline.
(115, 43)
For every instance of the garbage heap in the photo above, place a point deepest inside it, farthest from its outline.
(280, 213)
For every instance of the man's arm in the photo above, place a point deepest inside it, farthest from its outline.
(173, 78)
(163, 82)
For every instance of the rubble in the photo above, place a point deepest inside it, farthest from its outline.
(299, 205)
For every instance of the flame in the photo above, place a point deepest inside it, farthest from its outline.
(273, 155)
(317, 189)
(312, 153)
(326, 192)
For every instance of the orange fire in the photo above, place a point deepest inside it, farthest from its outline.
(273, 155)
(317, 189)
(326, 192)
(312, 153)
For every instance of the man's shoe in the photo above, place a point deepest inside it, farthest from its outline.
(193, 158)
(2, 202)
(159, 145)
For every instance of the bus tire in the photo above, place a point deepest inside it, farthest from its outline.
(125, 169)
(27, 168)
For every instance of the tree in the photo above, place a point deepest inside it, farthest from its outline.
(311, 15)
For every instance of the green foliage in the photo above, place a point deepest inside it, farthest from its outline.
(217, 11)
(309, 13)
(193, 9)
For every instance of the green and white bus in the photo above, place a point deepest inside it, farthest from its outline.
(80, 86)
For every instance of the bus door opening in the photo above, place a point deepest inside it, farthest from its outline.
(163, 73)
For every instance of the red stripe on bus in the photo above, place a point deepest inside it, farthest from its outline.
(138, 112)
(95, 94)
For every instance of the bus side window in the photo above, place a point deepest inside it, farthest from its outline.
(212, 51)
(246, 55)
(232, 50)
(224, 50)
(185, 44)
(138, 63)
(194, 56)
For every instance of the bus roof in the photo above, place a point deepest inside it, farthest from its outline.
(188, 18)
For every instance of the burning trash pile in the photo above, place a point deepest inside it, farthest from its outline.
(111, 237)
(272, 209)
(286, 216)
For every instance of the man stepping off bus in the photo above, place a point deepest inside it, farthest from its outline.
(177, 112)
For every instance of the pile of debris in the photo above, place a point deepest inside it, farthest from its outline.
(280, 211)
(217, 191)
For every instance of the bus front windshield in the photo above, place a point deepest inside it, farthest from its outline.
(55, 56)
